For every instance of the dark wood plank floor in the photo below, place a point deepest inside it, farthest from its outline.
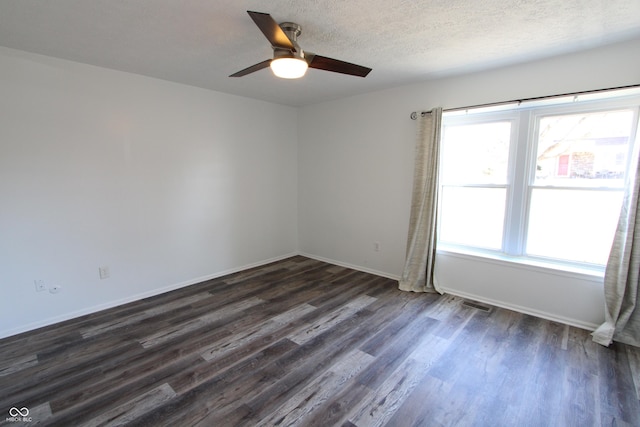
(301, 342)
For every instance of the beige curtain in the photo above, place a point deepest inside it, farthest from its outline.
(622, 274)
(418, 274)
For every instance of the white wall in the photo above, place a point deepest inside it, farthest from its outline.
(164, 183)
(167, 184)
(355, 166)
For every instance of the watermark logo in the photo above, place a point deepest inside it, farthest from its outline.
(19, 415)
(14, 412)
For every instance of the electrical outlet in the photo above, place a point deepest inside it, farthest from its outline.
(104, 272)
(40, 285)
(55, 289)
(376, 246)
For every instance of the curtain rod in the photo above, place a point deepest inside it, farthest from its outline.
(414, 115)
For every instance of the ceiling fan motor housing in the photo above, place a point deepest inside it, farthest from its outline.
(292, 30)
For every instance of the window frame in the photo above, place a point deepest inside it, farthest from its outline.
(525, 122)
(484, 118)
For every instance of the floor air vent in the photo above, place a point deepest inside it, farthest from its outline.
(477, 306)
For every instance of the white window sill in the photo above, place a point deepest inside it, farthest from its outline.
(541, 265)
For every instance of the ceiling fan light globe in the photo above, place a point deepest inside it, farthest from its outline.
(289, 68)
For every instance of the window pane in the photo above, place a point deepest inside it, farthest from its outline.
(476, 153)
(583, 150)
(573, 225)
(472, 216)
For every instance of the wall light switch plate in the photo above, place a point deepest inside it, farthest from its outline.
(40, 285)
(103, 272)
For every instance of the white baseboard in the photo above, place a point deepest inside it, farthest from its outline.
(351, 266)
(520, 309)
(136, 297)
(154, 292)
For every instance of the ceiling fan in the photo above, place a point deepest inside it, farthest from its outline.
(289, 60)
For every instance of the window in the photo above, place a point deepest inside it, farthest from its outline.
(475, 180)
(538, 182)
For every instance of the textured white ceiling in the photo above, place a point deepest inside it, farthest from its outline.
(201, 42)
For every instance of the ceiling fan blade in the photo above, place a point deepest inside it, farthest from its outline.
(253, 68)
(271, 30)
(335, 65)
